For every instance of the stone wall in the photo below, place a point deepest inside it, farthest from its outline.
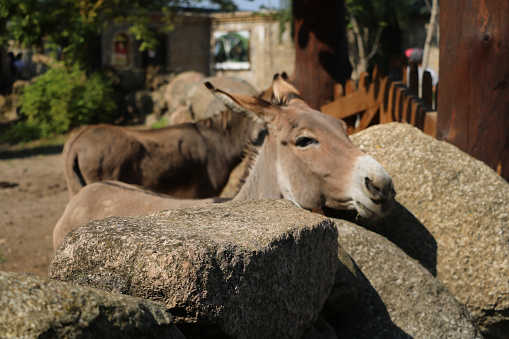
(189, 46)
(185, 47)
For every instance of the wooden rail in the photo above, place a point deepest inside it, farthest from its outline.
(379, 100)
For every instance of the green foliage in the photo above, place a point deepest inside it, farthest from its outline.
(285, 17)
(162, 122)
(21, 132)
(73, 25)
(62, 99)
(373, 17)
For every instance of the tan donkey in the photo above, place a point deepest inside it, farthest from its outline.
(189, 160)
(306, 158)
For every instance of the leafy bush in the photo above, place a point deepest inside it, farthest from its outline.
(21, 132)
(62, 99)
(160, 123)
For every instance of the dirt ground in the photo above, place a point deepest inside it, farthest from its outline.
(33, 195)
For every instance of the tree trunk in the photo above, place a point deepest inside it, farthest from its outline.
(473, 100)
(429, 33)
(321, 55)
(6, 78)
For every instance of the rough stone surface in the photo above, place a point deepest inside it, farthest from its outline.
(203, 104)
(34, 307)
(463, 204)
(251, 269)
(176, 92)
(347, 285)
(400, 298)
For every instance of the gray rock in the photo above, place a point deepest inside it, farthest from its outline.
(462, 204)
(321, 330)
(176, 92)
(400, 298)
(34, 307)
(251, 269)
(202, 104)
(347, 286)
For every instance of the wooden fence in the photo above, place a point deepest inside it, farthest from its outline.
(378, 100)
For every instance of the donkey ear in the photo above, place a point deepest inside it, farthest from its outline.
(248, 106)
(284, 91)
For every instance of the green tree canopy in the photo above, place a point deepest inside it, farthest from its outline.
(74, 25)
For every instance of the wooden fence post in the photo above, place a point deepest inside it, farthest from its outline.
(473, 101)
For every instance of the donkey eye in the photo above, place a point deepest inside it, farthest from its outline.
(305, 142)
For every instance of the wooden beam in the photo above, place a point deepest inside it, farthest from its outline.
(367, 118)
(430, 124)
(349, 105)
(427, 89)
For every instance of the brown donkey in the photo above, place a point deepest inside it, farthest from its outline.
(190, 160)
(306, 158)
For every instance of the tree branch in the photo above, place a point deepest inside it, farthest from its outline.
(375, 44)
(429, 34)
(357, 33)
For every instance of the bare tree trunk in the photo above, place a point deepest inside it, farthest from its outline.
(362, 40)
(321, 54)
(362, 64)
(5, 66)
(429, 34)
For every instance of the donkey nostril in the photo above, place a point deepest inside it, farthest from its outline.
(372, 188)
(367, 182)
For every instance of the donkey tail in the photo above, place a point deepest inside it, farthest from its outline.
(72, 171)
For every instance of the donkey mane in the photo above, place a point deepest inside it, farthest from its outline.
(221, 121)
(250, 157)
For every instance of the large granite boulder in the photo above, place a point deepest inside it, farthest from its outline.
(252, 269)
(176, 92)
(399, 297)
(34, 307)
(203, 104)
(461, 222)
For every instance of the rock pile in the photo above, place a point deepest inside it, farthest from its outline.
(461, 223)
(437, 266)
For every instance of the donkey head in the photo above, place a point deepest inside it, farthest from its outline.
(316, 164)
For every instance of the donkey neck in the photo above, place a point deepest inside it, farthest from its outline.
(262, 181)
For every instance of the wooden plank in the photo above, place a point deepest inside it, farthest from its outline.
(388, 114)
(430, 124)
(414, 78)
(378, 87)
(398, 104)
(405, 111)
(376, 74)
(338, 91)
(363, 81)
(385, 91)
(427, 89)
(367, 118)
(404, 74)
(436, 97)
(420, 115)
(414, 107)
(352, 104)
(350, 87)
